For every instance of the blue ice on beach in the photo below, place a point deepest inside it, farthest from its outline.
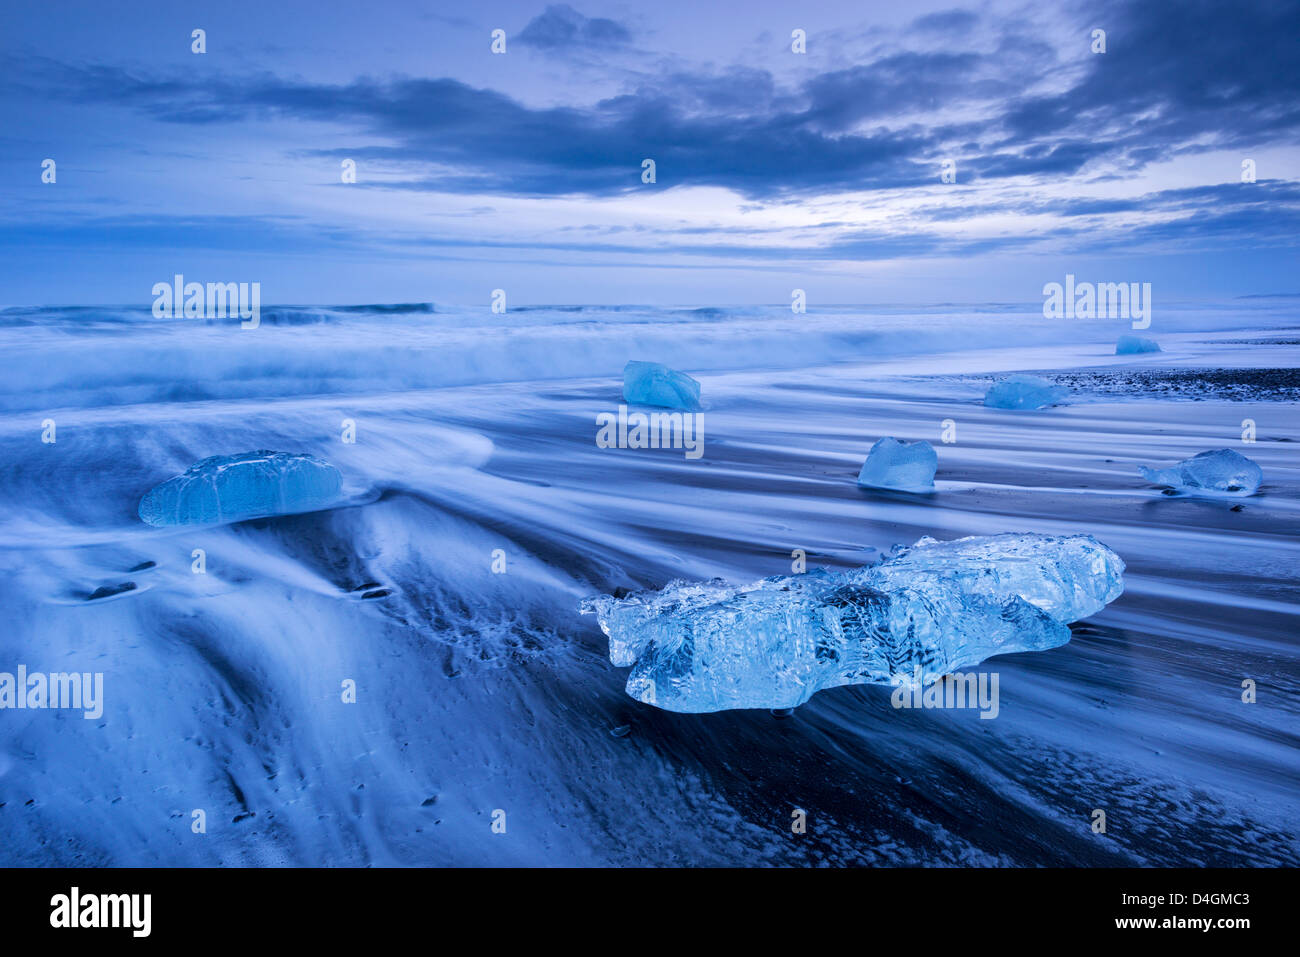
(1222, 470)
(935, 607)
(230, 488)
(651, 383)
(1135, 345)
(895, 464)
(1024, 392)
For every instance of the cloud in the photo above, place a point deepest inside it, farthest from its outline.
(1230, 72)
(1238, 217)
(1207, 78)
(560, 26)
(945, 21)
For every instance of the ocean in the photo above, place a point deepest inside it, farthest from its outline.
(405, 678)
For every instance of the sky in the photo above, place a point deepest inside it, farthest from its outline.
(523, 170)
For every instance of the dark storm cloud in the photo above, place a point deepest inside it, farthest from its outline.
(1175, 72)
(1203, 75)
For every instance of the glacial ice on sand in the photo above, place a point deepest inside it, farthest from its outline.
(937, 607)
(907, 466)
(1023, 392)
(1219, 471)
(230, 488)
(1134, 345)
(651, 383)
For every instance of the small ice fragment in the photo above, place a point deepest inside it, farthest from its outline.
(934, 608)
(651, 383)
(1132, 345)
(907, 466)
(1024, 392)
(1219, 471)
(231, 488)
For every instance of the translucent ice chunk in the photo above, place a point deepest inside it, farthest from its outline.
(1220, 471)
(230, 488)
(935, 607)
(1068, 576)
(650, 383)
(1023, 392)
(1132, 345)
(891, 463)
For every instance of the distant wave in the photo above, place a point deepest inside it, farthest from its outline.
(391, 307)
(56, 357)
